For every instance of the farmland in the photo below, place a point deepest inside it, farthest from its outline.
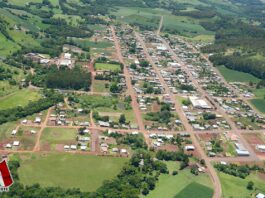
(19, 98)
(259, 104)
(69, 171)
(177, 186)
(236, 76)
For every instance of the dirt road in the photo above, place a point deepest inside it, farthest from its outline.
(43, 126)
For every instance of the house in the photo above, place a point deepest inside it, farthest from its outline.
(260, 195)
(260, 147)
(37, 120)
(8, 146)
(103, 124)
(189, 148)
(16, 143)
(123, 151)
(14, 132)
(83, 148)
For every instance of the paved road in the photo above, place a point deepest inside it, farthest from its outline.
(211, 170)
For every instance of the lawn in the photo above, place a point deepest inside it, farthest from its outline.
(259, 104)
(236, 76)
(170, 186)
(69, 171)
(106, 66)
(19, 98)
(236, 187)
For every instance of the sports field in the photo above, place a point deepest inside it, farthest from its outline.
(106, 66)
(69, 171)
(19, 98)
(180, 185)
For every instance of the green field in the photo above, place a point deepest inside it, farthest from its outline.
(236, 76)
(195, 190)
(186, 26)
(170, 186)
(19, 98)
(259, 104)
(99, 86)
(108, 67)
(236, 187)
(69, 171)
(92, 44)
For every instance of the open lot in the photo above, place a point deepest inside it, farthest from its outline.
(51, 137)
(69, 171)
(19, 98)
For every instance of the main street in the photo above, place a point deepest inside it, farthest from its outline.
(212, 172)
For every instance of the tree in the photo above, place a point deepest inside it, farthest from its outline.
(250, 185)
(122, 119)
(174, 172)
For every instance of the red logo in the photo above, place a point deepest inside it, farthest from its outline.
(5, 176)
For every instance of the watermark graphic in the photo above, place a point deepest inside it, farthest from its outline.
(6, 179)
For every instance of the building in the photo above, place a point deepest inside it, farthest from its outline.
(198, 103)
(260, 147)
(240, 150)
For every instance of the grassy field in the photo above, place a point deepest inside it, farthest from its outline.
(69, 171)
(92, 44)
(236, 76)
(99, 86)
(259, 104)
(19, 98)
(53, 136)
(231, 186)
(6, 129)
(184, 25)
(70, 19)
(23, 2)
(195, 190)
(105, 66)
(170, 186)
